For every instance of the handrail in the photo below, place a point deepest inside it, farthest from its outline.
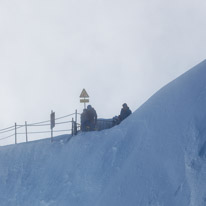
(7, 137)
(7, 131)
(34, 125)
(65, 116)
(74, 127)
(37, 124)
(63, 122)
(7, 128)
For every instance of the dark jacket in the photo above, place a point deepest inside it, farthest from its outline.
(125, 112)
(84, 120)
(92, 115)
(84, 117)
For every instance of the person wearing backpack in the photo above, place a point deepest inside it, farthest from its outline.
(125, 112)
(84, 121)
(92, 117)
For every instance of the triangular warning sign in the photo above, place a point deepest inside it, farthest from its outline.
(84, 94)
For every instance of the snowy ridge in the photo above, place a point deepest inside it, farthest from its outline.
(156, 157)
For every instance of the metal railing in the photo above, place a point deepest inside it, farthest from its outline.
(65, 124)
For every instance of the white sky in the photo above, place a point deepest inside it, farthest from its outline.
(119, 51)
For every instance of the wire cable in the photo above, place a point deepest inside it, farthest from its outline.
(7, 128)
(7, 137)
(7, 131)
(65, 116)
(63, 122)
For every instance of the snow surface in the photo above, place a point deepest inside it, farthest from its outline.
(156, 157)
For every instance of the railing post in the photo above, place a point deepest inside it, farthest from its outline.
(15, 133)
(72, 126)
(26, 131)
(75, 123)
(52, 123)
(75, 128)
(76, 115)
(51, 134)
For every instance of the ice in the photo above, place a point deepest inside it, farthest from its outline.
(156, 157)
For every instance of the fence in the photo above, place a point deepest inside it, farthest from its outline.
(67, 126)
(44, 127)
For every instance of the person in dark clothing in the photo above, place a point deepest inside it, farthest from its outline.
(92, 117)
(84, 121)
(115, 120)
(125, 112)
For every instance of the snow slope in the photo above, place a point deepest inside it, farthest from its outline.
(156, 157)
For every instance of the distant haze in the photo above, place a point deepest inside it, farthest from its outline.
(119, 51)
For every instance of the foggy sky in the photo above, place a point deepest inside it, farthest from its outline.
(119, 51)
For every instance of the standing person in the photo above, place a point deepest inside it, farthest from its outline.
(92, 117)
(84, 120)
(125, 112)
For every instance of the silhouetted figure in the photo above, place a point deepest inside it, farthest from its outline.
(125, 112)
(84, 121)
(115, 120)
(92, 117)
